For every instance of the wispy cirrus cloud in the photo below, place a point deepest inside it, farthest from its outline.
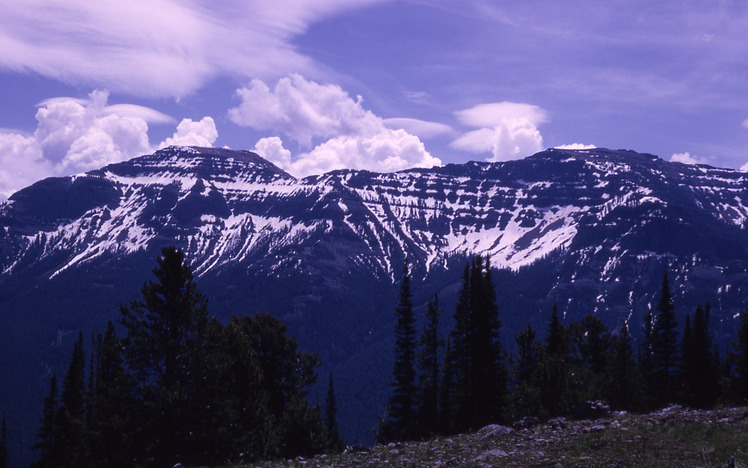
(158, 47)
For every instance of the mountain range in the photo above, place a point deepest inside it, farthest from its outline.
(592, 230)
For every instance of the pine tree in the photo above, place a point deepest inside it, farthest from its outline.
(456, 408)
(526, 388)
(4, 455)
(488, 376)
(163, 333)
(646, 361)
(292, 426)
(47, 439)
(699, 370)
(429, 372)
(334, 440)
(588, 361)
(70, 424)
(446, 390)
(665, 347)
(741, 358)
(110, 395)
(401, 413)
(623, 384)
(553, 372)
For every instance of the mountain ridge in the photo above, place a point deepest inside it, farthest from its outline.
(593, 229)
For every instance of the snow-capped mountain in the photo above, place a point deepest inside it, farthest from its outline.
(593, 229)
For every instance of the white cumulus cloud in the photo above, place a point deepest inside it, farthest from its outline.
(389, 150)
(21, 162)
(508, 130)
(190, 133)
(341, 132)
(272, 149)
(303, 110)
(688, 158)
(575, 146)
(77, 135)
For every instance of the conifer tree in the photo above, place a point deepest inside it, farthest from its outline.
(110, 394)
(646, 360)
(526, 388)
(295, 426)
(699, 362)
(400, 422)
(488, 376)
(4, 455)
(623, 385)
(428, 372)
(334, 440)
(47, 439)
(70, 420)
(457, 362)
(163, 332)
(741, 358)
(665, 346)
(446, 390)
(553, 368)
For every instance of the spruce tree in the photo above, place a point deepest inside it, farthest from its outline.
(741, 358)
(400, 422)
(699, 363)
(163, 333)
(488, 376)
(646, 361)
(553, 372)
(47, 439)
(110, 395)
(4, 455)
(334, 440)
(623, 384)
(295, 426)
(457, 406)
(70, 424)
(526, 388)
(429, 372)
(665, 347)
(446, 390)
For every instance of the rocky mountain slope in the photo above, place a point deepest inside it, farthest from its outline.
(593, 229)
(671, 437)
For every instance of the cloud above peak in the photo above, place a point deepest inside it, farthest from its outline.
(303, 110)
(76, 135)
(508, 130)
(336, 131)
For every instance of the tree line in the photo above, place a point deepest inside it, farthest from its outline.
(181, 387)
(469, 380)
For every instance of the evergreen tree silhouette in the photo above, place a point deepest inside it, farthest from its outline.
(400, 420)
(429, 372)
(334, 440)
(47, 439)
(163, 330)
(4, 455)
(741, 358)
(665, 347)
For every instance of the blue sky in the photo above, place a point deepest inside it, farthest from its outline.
(371, 84)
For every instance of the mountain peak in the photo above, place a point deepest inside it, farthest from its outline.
(203, 162)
